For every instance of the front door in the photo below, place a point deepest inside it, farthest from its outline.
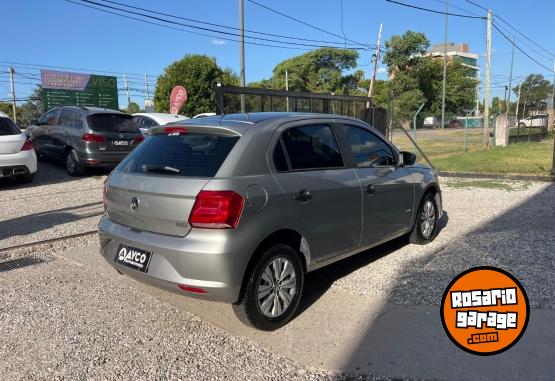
(387, 189)
(323, 193)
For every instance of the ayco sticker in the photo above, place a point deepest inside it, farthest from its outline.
(485, 311)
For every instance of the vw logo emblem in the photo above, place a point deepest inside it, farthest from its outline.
(134, 203)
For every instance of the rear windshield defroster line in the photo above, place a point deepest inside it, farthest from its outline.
(188, 155)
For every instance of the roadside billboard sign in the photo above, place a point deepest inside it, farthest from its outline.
(62, 88)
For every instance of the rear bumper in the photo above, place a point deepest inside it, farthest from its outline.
(26, 160)
(202, 259)
(103, 159)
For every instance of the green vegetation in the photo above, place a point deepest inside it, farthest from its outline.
(525, 131)
(487, 184)
(445, 149)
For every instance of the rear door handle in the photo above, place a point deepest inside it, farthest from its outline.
(370, 189)
(303, 196)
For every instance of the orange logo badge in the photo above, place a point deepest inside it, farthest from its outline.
(485, 311)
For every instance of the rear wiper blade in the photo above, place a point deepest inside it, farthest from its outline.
(160, 168)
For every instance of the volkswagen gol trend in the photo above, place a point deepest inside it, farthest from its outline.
(239, 208)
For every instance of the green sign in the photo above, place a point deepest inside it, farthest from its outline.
(76, 89)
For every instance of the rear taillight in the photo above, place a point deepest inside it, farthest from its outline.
(28, 145)
(93, 138)
(216, 210)
(139, 139)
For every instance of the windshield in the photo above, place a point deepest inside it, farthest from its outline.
(112, 123)
(190, 155)
(7, 127)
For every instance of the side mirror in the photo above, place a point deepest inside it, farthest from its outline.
(406, 158)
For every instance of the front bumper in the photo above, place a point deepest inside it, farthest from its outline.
(26, 160)
(203, 259)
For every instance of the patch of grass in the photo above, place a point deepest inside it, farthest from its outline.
(522, 158)
(488, 184)
(525, 131)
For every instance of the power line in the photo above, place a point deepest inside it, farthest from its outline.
(204, 28)
(222, 26)
(303, 22)
(521, 50)
(434, 11)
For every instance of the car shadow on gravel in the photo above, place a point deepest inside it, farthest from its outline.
(407, 337)
(48, 173)
(318, 282)
(37, 222)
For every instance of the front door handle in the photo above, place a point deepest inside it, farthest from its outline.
(370, 189)
(303, 196)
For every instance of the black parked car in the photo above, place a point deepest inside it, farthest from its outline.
(85, 137)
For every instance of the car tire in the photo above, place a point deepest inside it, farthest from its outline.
(73, 166)
(26, 178)
(268, 302)
(425, 227)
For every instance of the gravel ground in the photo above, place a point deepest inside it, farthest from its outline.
(511, 229)
(53, 205)
(60, 321)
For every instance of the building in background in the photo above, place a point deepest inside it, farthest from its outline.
(457, 53)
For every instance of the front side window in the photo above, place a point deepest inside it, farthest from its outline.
(49, 118)
(312, 147)
(368, 149)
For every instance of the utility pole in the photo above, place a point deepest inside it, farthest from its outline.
(146, 83)
(518, 102)
(488, 79)
(126, 90)
(376, 60)
(12, 93)
(444, 65)
(242, 50)
(287, 88)
(510, 88)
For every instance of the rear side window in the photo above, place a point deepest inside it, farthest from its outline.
(70, 119)
(7, 127)
(118, 123)
(368, 149)
(190, 155)
(312, 147)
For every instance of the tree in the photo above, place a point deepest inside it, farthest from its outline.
(133, 108)
(534, 91)
(404, 52)
(321, 70)
(199, 74)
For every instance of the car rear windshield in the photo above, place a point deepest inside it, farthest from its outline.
(118, 123)
(7, 127)
(190, 155)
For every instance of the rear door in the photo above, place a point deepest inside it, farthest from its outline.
(323, 193)
(119, 131)
(11, 139)
(154, 188)
(387, 189)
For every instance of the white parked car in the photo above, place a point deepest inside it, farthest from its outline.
(145, 120)
(17, 156)
(204, 115)
(539, 120)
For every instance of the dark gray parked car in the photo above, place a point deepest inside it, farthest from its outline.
(238, 208)
(85, 137)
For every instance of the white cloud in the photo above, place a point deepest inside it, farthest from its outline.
(382, 70)
(217, 42)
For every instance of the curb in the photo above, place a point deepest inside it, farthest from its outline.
(496, 176)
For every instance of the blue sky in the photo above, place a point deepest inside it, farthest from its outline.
(59, 33)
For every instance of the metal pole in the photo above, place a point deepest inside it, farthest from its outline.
(518, 102)
(488, 79)
(414, 120)
(376, 60)
(126, 90)
(444, 66)
(510, 87)
(242, 50)
(146, 83)
(12, 93)
(287, 88)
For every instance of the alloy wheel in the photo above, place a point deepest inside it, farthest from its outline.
(428, 219)
(277, 287)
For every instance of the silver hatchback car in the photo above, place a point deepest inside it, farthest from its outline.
(239, 208)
